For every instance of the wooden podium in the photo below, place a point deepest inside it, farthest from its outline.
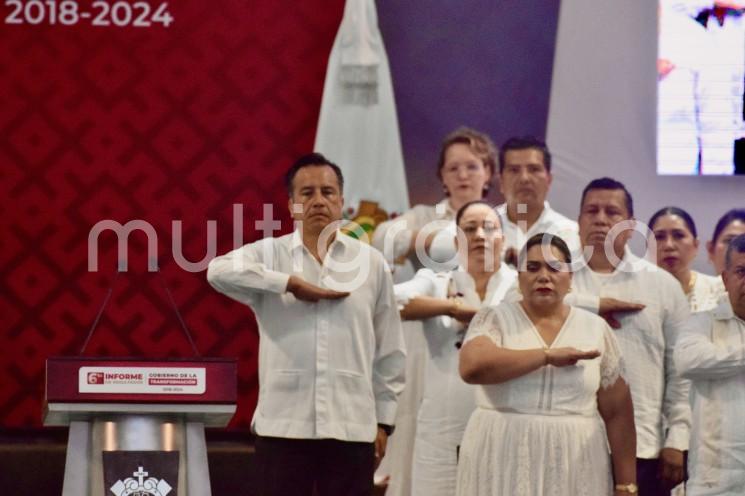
(138, 408)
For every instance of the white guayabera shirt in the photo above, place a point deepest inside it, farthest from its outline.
(647, 340)
(550, 221)
(711, 353)
(330, 369)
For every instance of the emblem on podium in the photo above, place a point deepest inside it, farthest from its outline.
(140, 486)
(156, 473)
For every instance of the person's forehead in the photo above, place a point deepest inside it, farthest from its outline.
(734, 228)
(543, 252)
(738, 259)
(524, 156)
(671, 222)
(479, 212)
(316, 174)
(615, 197)
(458, 149)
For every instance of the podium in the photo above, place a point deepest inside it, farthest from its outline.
(137, 426)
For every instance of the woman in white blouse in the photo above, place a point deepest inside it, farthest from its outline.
(677, 246)
(446, 302)
(465, 167)
(548, 376)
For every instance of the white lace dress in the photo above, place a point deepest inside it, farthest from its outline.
(540, 434)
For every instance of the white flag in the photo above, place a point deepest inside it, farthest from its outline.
(358, 127)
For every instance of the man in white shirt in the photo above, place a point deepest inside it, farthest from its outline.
(725, 72)
(683, 47)
(646, 336)
(331, 352)
(711, 353)
(524, 180)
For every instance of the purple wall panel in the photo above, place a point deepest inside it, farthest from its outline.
(484, 64)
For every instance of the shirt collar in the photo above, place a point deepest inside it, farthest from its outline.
(724, 310)
(296, 241)
(628, 263)
(465, 282)
(447, 210)
(502, 211)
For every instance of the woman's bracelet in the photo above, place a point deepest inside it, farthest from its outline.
(455, 306)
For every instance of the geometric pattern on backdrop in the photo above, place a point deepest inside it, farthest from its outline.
(158, 124)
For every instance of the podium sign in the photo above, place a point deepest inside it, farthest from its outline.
(133, 409)
(145, 380)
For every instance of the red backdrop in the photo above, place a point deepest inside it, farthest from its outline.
(157, 124)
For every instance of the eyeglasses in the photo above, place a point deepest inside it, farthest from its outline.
(470, 168)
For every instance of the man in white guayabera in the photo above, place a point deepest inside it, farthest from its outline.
(524, 179)
(610, 281)
(711, 353)
(331, 352)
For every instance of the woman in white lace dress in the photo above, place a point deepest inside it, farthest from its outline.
(549, 376)
(677, 246)
(446, 302)
(465, 168)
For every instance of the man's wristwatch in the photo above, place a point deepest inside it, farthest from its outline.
(630, 488)
(388, 429)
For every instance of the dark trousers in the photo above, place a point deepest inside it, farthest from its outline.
(647, 480)
(294, 467)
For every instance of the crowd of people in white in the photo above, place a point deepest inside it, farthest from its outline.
(553, 361)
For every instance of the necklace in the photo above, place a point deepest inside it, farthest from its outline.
(691, 283)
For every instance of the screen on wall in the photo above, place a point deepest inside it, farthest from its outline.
(701, 86)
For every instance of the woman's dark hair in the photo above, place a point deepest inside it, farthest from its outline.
(462, 210)
(480, 144)
(674, 211)
(546, 238)
(727, 219)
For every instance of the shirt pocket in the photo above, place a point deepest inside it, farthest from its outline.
(354, 397)
(281, 396)
(642, 331)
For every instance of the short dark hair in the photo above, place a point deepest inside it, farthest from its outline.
(312, 160)
(524, 143)
(462, 210)
(610, 184)
(725, 220)
(480, 144)
(687, 219)
(553, 240)
(736, 245)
